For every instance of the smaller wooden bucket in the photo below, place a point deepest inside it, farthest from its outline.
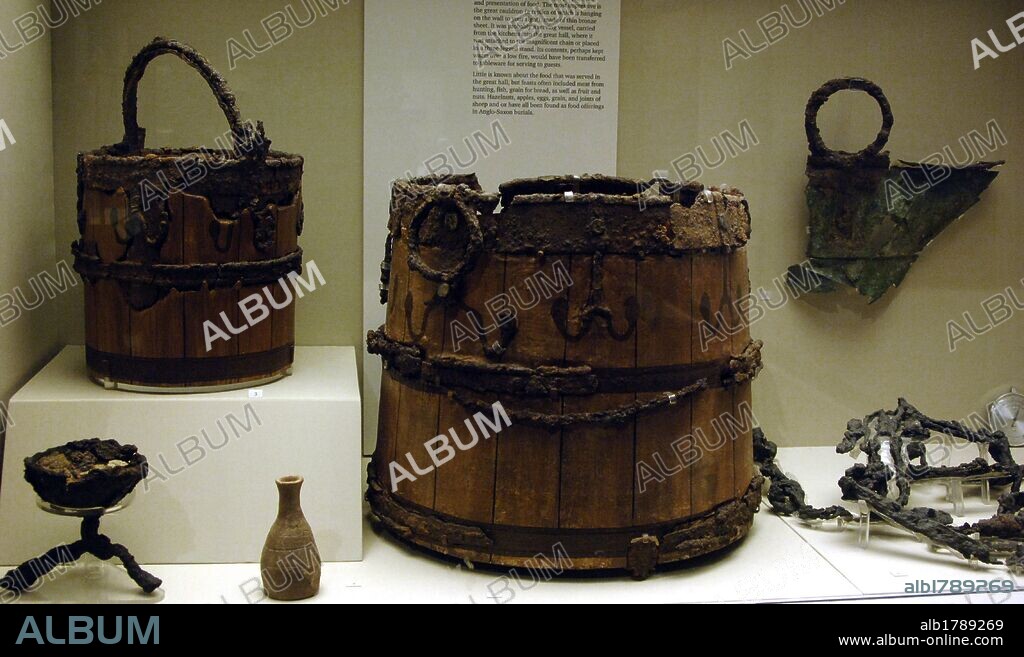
(186, 254)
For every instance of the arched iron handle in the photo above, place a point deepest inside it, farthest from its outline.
(247, 140)
(819, 97)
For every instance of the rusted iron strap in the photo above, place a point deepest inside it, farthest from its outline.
(188, 277)
(279, 176)
(587, 226)
(676, 539)
(411, 362)
(552, 421)
(597, 184)
(175, 371)
(412, 524)
(635, 225)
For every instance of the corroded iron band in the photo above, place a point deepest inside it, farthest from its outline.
(553, 421)
(279, 176)
(188, 277)
(410, 361)
(639, 548)
(588, 226)
(650, 221)
(592, 184)
(182, 371)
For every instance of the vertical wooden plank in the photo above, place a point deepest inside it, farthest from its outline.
(534, 285)
(419, 414)
(259, 337)
(597, 459)
(107, 308)
(283, 318)
(597, 346)
(472, 469)
(288, 226)
(92, 219)
(106, 214)
(398, 288)
(287, 241)
(158, 331)
(90, 313)
(387, 428)
(173, 250)
(464, 486)
(203, 305)
(664, 334)
(424, 314)
(712, 474)
(484, 287)
(113, 327)
(93, 209)
(527, 478)
(206, 305)
(597, 473)
(743, 443)
(527, 475)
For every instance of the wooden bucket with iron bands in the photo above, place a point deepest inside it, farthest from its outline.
(605, 316)
(172, 240)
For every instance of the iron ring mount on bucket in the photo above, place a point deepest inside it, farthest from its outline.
(445, 200)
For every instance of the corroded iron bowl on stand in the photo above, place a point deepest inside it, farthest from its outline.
(86, 479)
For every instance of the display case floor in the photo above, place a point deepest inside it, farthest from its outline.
(87, 581)
(392, 572)
(781, 560)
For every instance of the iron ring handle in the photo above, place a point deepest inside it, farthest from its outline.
(819, 97)
(446, 201)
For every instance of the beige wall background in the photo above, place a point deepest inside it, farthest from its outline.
(827, 359)
(831, 358)
(26, 199)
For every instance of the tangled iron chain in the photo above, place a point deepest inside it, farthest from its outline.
(895, 445)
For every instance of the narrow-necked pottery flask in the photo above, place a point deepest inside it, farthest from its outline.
(290, 563)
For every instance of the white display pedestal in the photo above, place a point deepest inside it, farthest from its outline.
(210, 496)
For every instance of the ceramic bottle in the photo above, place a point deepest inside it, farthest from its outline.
(290, 563)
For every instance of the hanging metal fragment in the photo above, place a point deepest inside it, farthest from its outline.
(869, 220)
